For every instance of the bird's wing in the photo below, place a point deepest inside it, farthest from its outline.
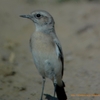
(30, 44)
(59, 53)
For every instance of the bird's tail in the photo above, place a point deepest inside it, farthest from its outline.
(61, 95)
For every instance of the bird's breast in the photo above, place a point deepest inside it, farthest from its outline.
(44, 54)
(42, 43)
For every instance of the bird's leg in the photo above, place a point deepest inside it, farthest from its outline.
(42, 88)
(55, 84)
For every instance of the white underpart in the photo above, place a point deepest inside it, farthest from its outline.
(46, 61)
(49, 70)
(57, 50)
(40, 28)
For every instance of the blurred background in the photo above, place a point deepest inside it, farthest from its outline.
(78, 28)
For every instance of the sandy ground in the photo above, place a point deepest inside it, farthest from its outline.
(78, 29)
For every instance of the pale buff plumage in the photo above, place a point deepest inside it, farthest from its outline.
(47, 52)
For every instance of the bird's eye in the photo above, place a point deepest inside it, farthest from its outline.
(38, 15)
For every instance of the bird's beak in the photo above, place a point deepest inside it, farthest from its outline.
(26, 16)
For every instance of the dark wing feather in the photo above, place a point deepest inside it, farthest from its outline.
(30, 44)
(60, 54)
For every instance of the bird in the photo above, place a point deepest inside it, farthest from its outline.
(47, 51)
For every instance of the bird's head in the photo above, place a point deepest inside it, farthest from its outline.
(41, 19)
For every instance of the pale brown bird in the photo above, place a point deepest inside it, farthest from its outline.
(47, 51)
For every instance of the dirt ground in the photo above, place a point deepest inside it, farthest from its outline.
(78, 29)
